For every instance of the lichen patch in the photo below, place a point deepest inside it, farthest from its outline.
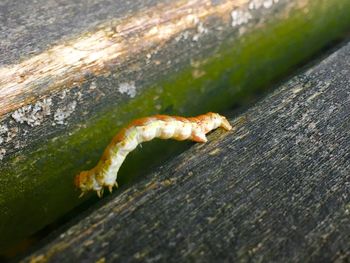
(201, 30)
(183, 35)
(128, 88)
(63, 113)
(240, 17)
(257, 4)
(33, 115)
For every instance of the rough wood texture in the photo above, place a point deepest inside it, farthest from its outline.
(274, 190)
(82, 69)
(111, 45)
(74, 72)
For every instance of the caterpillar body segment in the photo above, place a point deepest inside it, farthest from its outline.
(104, 174)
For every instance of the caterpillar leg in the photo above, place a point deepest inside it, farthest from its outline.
(199, 137)
(110, 187)
(100, 192)
(225, 124)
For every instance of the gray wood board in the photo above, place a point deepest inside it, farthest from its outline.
(276, 189)
(29, 27)
(64, 97)
(38, 103)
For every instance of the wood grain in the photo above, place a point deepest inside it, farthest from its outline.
(68, 64)
(216, 58)
(275, 189)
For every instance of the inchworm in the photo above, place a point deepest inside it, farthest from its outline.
(104, 174)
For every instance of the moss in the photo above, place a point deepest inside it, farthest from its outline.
(39, 183)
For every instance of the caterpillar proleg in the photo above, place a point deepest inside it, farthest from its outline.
(104, 174)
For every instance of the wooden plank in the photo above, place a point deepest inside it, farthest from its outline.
(276, 189)
(73, 72)
(65, 90)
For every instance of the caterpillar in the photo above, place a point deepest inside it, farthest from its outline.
(104, 174)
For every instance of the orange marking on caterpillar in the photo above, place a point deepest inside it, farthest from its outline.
(104, 174)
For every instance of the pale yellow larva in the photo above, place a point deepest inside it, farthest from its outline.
(104, 174)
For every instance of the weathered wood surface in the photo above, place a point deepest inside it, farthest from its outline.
(57, 57)
(274, 190)
(73, 72)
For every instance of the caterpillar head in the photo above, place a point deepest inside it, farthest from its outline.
(84, 181)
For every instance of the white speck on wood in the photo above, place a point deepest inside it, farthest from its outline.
(33, 115)
(92, 85)
(257, 4)
(128, 88)
(11, 133)
(2, 153)
(201, 30)
(183, 35)
(240, 17)
(64, 93)
(63, 113)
